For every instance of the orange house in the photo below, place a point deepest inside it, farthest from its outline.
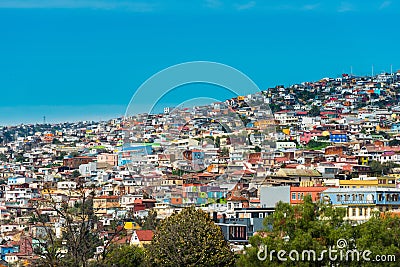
(297, 193)
(176, 200)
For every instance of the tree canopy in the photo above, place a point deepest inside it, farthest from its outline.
(189, 238)
(318, 227)
(123, 256)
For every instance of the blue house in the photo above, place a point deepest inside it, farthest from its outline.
(6, 249)
(395, 127)
(360, 203)
(126, 153)
(338, 137)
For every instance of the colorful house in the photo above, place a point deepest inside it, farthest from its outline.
(297, 193)
(338, 137)
(360, 203)
(141, 237)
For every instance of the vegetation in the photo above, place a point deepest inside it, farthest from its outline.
(61, 156)
(382, 168)
(76, 174)
(315, 145)
(20, 158)
(3, 157)
(56, 142)
(150, 222)
(225, 152)
(78, 241)
(318, 227)
(315, 111)
(189, 238)
(394, 142)
(123, 256)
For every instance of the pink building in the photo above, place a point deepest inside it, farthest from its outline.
(308, 135)
(109, 159)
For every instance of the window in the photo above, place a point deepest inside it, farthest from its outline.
(360, 211)
(293, 196)
(354, 212)
(338, 198)
(298, 196)
(354, 197)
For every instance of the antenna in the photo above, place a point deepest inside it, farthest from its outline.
(372, 70)
(351, 71)
(44, 119)
(391, 69)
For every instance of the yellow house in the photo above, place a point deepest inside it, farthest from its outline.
(358, 183)
(131, 226)
(385, 181)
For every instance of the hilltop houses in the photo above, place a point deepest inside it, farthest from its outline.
(336, 139)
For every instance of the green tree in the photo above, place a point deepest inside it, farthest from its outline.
(314, 111)
(20, 158)
(56, 142)
(76, 174)
(307, 226)
(123, 256)
(394, 142)
(316, 145)
(61, 156)
(3, 157)
(382, 168)
(380, 235)
(189, 238)
(318, 227)
(225, 152)
(218, 142)
(151, 222)
(74, 154)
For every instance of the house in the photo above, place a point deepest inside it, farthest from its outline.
(338, 137)
(234, 233)
(297, 175)
(75, 162)
(141, 237)
(103, 204)
(107, 160)
(297, 193)
(360, 203)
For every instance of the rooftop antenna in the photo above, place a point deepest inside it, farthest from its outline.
(391, 69)
(372, 70)
(44, 119)
(351, 71)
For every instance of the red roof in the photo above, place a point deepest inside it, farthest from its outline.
(281, 159)
(237, 198)
(145, 235)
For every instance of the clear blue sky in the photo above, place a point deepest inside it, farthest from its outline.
(72, 60)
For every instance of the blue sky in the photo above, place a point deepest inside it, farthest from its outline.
(70, 60)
